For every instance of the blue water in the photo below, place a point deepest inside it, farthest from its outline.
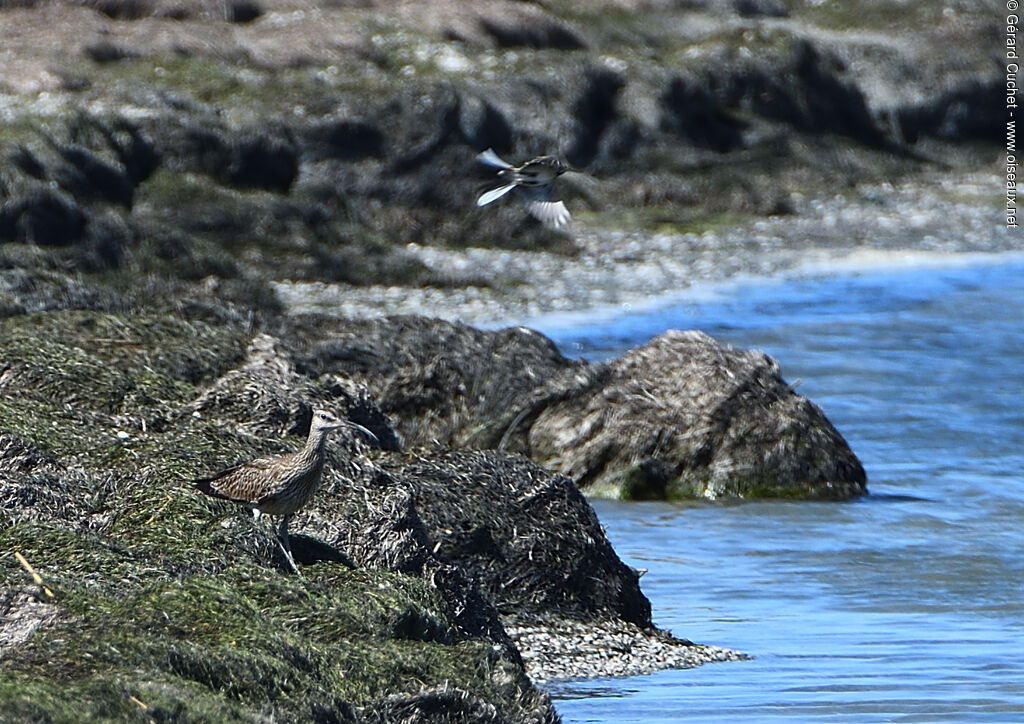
(906, 605)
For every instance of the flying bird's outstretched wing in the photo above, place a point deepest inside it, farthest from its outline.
(552, 214)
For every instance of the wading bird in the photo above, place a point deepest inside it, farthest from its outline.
(283, 484)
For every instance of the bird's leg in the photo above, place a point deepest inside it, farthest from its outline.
(286, 546)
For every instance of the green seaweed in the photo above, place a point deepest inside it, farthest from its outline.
(168, 605)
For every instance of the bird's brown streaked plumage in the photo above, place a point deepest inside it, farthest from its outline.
(280, 485)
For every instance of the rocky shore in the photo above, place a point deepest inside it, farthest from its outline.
(416, 564)
(320, 155)
(210, 214)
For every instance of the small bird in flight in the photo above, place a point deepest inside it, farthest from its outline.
(534, 181)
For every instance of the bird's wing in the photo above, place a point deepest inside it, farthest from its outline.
(552, 214)
(237, 482)
(494, 194)
(490, 158)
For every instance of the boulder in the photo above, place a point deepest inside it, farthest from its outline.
(527, 537)
(685, 416)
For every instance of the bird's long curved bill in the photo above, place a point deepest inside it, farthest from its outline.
(490, 158)
(494, 194)
(359, 428)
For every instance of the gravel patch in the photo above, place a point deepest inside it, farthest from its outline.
(566, 649)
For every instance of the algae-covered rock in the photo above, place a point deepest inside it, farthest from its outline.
(528, 537)
(156, 600)
(681, 417)
(442, 382)
(685, 416)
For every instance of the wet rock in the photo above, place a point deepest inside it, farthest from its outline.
(242, 11)
(261, 161)
(530, 28)
(441, 381)
(690, 112)
(106, 52)
(761, 8)
(418, 125)
(973, 110)
(685, 416)
(482, 125)
(506, 25)
(88, 176)
(76, 192)
(345, 139)
(806, 88)
(594, 111)
(529, 538)
(40, 214)
(123, 9)
(132, 148)
(242, 158)
(108, 239)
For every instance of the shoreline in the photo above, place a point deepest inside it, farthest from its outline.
(854, 264)
(615, 272)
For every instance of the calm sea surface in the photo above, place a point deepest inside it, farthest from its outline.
(907, 605)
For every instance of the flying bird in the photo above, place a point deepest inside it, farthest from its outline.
(533, 182)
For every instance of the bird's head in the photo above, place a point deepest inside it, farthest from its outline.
(553, 164)
(325, 421)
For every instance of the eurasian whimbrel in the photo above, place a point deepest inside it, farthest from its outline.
(534, 180)
(280, 485)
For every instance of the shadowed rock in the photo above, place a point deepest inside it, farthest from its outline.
(41, 215)
(502, 24)
(689, 110)
(529, 538)
(440, 381)
(242, 158)
(807, 88)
